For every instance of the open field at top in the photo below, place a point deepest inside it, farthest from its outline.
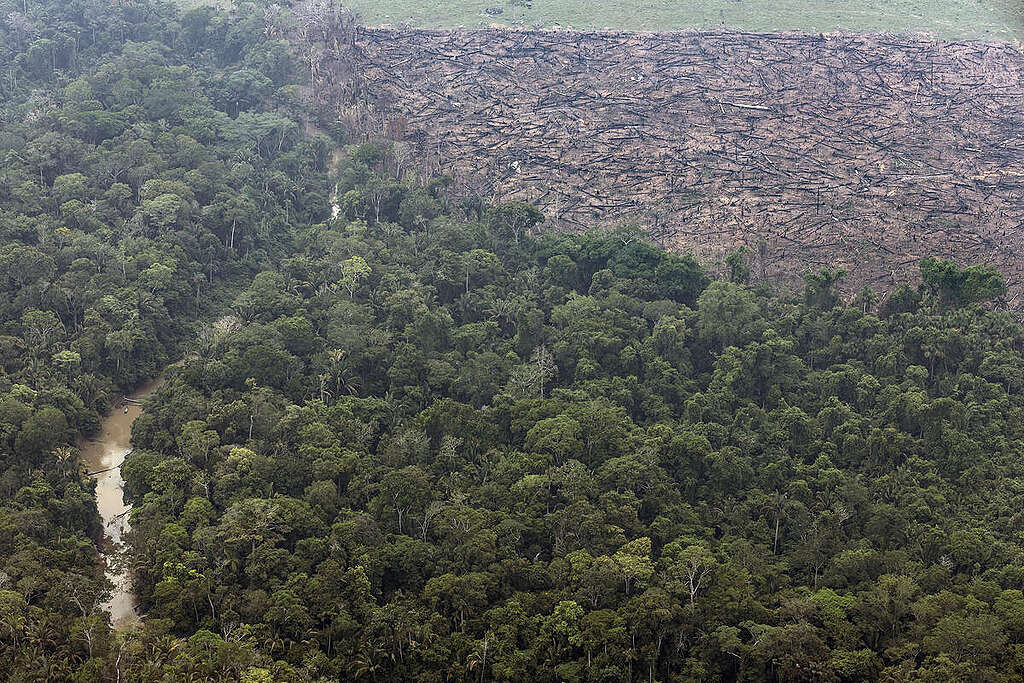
(189, 4)
(864, 152)
(988, 20)
(963, 19)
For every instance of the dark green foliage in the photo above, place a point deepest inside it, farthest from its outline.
(956, 286)
(420, 441)
(820, 291)
(537, 451)
(739, 265)
(150, 168)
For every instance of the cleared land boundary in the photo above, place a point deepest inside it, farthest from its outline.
(861, 151)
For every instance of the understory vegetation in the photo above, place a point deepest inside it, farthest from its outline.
(414, 437)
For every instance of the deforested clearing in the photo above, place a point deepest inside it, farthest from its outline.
(851, 150)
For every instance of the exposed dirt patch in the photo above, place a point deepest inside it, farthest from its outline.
(865, 152)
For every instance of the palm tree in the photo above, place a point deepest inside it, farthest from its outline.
(341, 369)
(369, 660)
(477, 659)
(506, 310)
(65, 457)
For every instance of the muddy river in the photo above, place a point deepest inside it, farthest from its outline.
(103, 456)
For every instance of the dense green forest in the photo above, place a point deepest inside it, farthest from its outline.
(423, 440)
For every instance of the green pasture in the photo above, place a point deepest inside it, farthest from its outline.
(972, 19)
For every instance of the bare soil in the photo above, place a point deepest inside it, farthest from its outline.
(865, 152)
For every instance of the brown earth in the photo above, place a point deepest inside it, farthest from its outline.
(865, 152)
(102, 458)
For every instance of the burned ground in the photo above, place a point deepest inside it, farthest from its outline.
(856, 151)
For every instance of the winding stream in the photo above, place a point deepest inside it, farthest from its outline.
(103, 457)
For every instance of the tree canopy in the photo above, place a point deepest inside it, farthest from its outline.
(416, 437)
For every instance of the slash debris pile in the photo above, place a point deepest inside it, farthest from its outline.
(813, 150)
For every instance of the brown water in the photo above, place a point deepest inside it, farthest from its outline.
(104, 455)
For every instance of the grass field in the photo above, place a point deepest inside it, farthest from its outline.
(973, 19)
(189, 4)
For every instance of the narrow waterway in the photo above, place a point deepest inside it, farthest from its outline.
(103, 456)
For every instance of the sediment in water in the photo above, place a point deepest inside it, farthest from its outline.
(103, 456)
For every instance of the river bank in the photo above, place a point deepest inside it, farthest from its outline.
(103, 456)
